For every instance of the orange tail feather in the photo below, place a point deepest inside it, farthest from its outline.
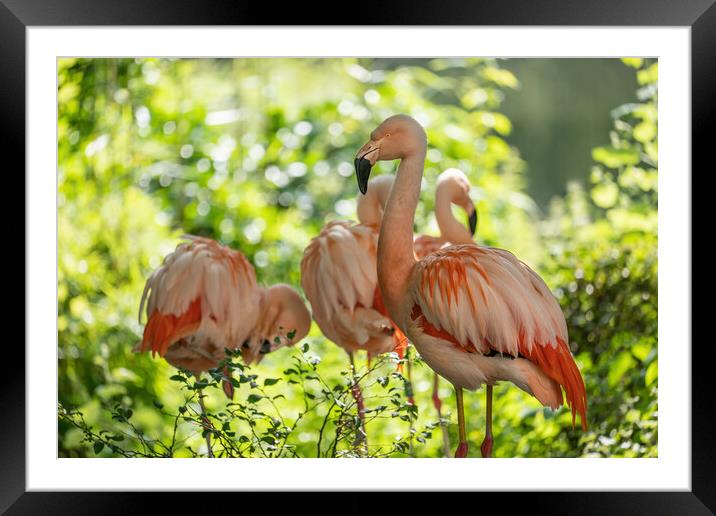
(558, 363)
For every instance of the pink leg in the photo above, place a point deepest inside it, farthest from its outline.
(409, 385)
(462, 449)
(206, 423)
(436, 395)
(361, 436)
(443, 423)
(486, 447)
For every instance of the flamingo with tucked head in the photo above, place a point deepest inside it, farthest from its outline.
(477, 315)
(204, 299)
(339, 278)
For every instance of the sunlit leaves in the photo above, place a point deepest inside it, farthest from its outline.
(615, 157)
(500, 76)
(649, 74)
(610, 300)
(645, 131)
(605, 195)
(634, 62)
(651, 373)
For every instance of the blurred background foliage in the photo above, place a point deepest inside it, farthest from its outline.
(258, 153)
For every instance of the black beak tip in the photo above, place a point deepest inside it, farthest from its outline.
(363, 167)
(473, 221)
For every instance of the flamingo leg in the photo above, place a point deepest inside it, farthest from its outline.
(361, 435)
(461, 451)
(409, 385)
(206, 424)
(486, 447)
(443, 423)
(410, 396)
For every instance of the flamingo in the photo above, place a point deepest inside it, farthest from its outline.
(477, 315)
(204, 298)
(338, 276)
(453, 187)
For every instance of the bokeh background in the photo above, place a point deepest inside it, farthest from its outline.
(257, 153)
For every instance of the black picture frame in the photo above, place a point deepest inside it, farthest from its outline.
(17, 15)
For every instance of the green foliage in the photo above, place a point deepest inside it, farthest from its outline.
(258, 154)
(603, 257)
(255, 425)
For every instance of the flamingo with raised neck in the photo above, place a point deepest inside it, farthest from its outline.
(453, 187)
(477, 315)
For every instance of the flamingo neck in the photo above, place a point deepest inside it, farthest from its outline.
(369, 207)
(451, 230)
(395, 245)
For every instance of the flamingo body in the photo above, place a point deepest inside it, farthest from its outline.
(204, 299)
(204, 294)
(338, 276)
(479, 315)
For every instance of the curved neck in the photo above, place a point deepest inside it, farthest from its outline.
(395, 245)
(451, 230)
(370, 207)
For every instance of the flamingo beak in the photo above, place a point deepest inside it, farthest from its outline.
(363, 167)
(472, 217)
(265, 347)
(364, 161)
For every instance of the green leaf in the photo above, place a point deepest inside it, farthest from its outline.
(501, 77)
(648, 75)
(645, 131)
(651, 373)
(98, 447)
(605, 194)
(642, 348)
(634, 62)
(271, 381)
(253, 398)
(615, 158)
(620, 365)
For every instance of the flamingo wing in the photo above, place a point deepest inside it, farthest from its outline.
(485, 300)
(203, 288)
(338, 268)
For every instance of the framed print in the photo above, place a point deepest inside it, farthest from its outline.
(318, 249)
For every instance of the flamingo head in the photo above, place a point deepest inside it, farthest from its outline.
(454, 185)
(395, 138)
(284, 320)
